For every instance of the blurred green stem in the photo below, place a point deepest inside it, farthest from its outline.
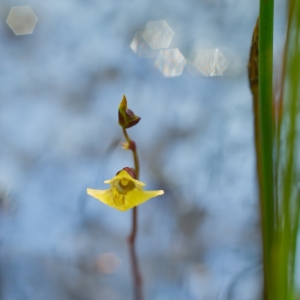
(291, 197)
(265, 109)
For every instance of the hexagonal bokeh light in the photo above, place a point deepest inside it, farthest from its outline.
(141, 47)
(21, 20)
(170, 62)
(211, 62)
(158, 34)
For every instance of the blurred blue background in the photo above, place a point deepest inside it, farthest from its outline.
(60, 89)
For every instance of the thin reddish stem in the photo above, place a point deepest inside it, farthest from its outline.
(137, 278)
(134, 261)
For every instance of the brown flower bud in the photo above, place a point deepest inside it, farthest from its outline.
(127, 118)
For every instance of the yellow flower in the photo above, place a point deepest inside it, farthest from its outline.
(125, 192)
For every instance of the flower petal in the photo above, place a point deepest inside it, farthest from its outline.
(139, 196)
(124, 175)
(101, 195)
(124, 193)
(110, 197)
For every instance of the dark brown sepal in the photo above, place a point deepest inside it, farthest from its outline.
(127, 118)
(130, 171)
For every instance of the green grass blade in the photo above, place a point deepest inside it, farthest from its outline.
(265, 122)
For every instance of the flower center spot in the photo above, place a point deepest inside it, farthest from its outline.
(124, 186)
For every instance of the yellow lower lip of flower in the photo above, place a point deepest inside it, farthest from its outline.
(125, 192)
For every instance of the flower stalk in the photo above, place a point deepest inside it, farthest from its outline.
(137, 278)
(127, 192)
